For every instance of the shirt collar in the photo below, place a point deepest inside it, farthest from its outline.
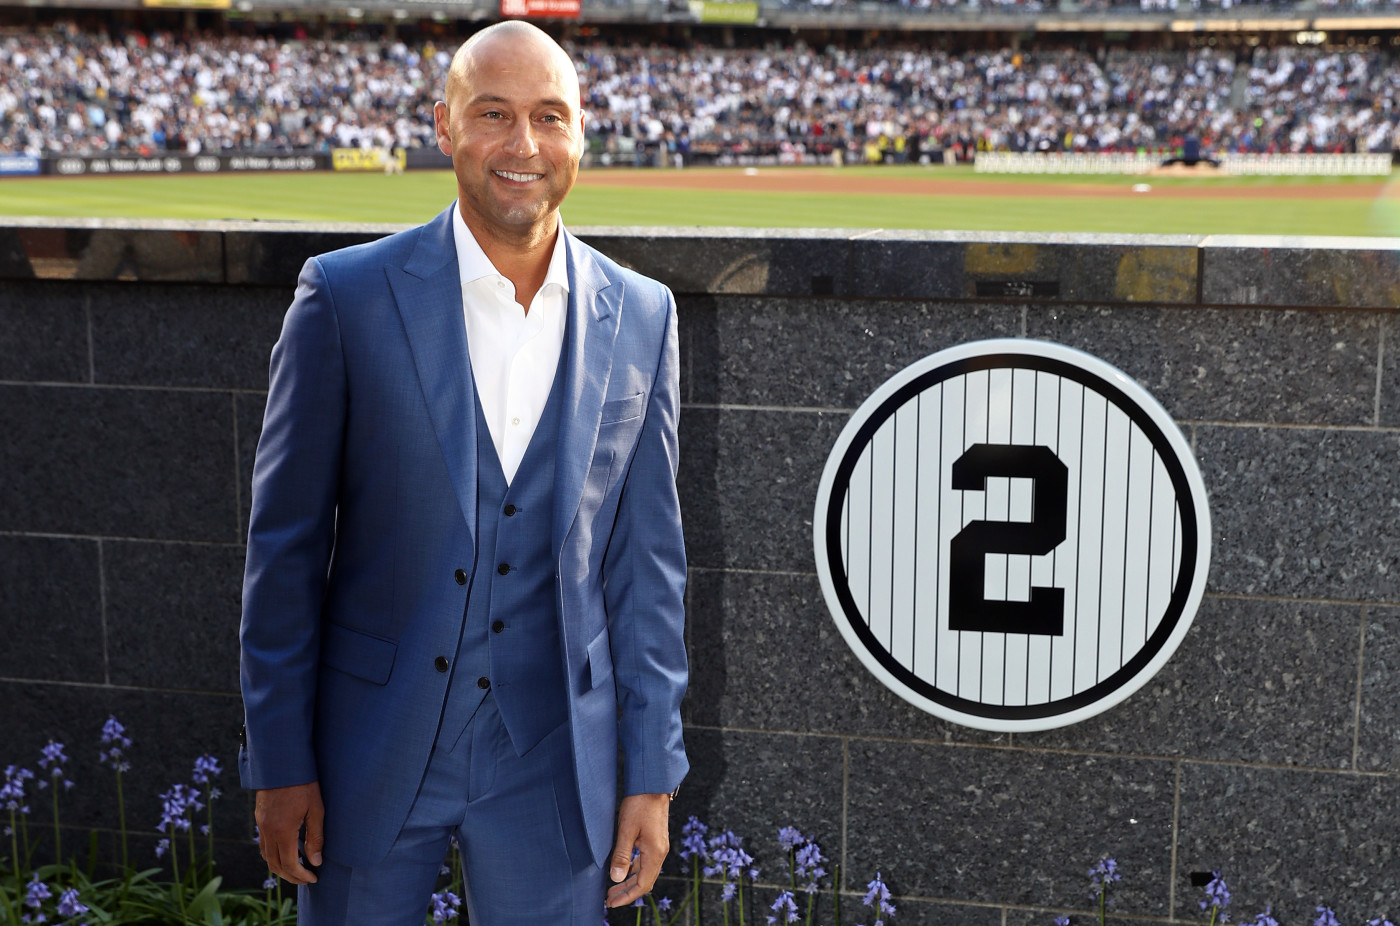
(475, 265)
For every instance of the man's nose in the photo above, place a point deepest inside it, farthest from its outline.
(521, 142)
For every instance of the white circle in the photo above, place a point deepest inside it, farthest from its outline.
(1071, 504)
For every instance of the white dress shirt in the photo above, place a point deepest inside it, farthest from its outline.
(514, 353)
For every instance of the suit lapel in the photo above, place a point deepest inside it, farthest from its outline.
(591, 329)
(428, 290)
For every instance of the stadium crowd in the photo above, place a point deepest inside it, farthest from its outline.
(66, 91)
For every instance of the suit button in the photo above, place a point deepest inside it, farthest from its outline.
(460, 576)
(483, 682)
(510, 511)
(503, 568)
(498, 626)
(440, 663)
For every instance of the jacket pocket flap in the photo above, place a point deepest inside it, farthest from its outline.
(600, 664)
(624, 409)
(359, 654)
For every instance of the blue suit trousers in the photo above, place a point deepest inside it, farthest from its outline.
(526, 859)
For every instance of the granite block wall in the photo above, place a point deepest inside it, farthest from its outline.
(132, 382)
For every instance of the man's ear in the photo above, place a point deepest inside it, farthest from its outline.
(442, 127)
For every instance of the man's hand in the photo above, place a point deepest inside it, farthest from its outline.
(280, 814)
(643, 823)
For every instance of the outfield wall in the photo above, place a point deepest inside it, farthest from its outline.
(132, 382)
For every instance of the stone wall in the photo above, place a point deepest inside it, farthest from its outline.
(132, 380)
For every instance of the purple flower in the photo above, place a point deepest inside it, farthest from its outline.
(12, 792)
(1380, 921)
(784, 909)
(37, 893)
(664, 903)
(1217, 896)
(727, 894)
(178, 805)
(639, 902)
(53, 760)
(809, 866)
(162, 847)
(877, 895)
(444, 906)
(68, 904)
(729, 861)
(1325, 917)
(206, 769)
(692, 842)
(115, 739)
(270, 883)
(1266, 918)
(1061, 921)
(789, 837)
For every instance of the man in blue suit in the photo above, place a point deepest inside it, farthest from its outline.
(465, 577)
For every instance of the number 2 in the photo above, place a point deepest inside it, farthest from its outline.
(968, 609)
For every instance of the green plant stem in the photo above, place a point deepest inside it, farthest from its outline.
(1103, 902)
(121, 819)
(695, 888)
(1214, 912)
(178, 887)
(811, 902)
(836, 892)
(209, 807)
(740, 881)
(14, 850)
(57, 842)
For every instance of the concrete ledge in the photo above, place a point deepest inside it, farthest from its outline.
(863, 263)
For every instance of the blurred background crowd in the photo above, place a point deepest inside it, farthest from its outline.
(71, 90)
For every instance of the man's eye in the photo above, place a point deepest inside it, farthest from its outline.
(550, 118)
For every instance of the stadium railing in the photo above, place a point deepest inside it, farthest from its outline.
(1289, 165)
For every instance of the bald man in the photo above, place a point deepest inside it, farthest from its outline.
(465, 575)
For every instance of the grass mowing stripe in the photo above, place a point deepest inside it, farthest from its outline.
(417, 196)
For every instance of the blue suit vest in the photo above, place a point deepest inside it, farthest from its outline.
(510, 635)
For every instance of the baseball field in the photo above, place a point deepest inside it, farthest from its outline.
(911, 197)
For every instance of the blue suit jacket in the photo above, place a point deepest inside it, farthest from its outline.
(364, 506)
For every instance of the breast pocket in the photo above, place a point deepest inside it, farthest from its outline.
(623, 409)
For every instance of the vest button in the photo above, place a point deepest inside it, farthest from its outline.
(503, 569)
(440, 663)
(510, 511)
(460, 576)
(498, 626)
(483, 682)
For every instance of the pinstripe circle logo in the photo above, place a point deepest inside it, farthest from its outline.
(1012, 535)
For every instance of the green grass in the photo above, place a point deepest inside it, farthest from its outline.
(416, 196)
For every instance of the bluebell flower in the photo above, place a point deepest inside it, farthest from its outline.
(12, 792)
(877, 895)
(1380, 921)
(1104, 873)
(270, 883)
(729, 861)
(69, 905)
(640, 902)
(809, 866)
(116, 741)
(1266, 918)
(789, 837)
(162, 847)
(1217, 898)
(52, 760)
(784, 909)
(1325, 917)
(36, 893)
(178, 805)
(444, 906)
(728, 892)
(664, 904)
(692, 842)
(206, 769)
(1061, 921)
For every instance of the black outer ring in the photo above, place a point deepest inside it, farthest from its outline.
(1015, 361)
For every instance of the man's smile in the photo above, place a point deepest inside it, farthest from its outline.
(518, 178)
